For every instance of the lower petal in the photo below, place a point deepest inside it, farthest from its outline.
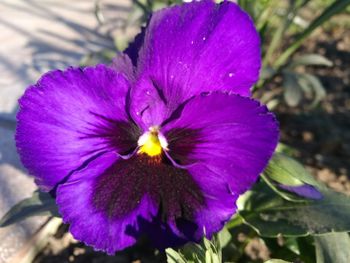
(90, 203)
(113, 201)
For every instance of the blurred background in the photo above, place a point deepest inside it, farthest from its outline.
(305, 80)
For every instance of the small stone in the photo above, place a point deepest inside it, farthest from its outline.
(307, 136)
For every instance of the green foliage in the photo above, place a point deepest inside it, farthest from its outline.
(286, 171)
(38, 204)
(273, 212)
(334, 8)
(311, 59)
(271, 215)
(274, 29)
(333, 248)
(206, 252)
(298, 84)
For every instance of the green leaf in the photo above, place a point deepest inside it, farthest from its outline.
(311, 59)
(311, 83)
(39, 204)
(206, 252)
(283, 170)
(333, 248)
(224, 237)
(287, 171)
(292, 91)
(295, 84)
(271, 215)
(174, 257)
(336, 7)
(286, 149)
(235, 221)
(277, 37)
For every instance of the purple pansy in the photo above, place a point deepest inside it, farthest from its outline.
(162, 142)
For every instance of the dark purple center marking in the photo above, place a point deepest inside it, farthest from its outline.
(121, 188)
(182, 143)
(119, 135)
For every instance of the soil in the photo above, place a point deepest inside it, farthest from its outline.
(319, 136)
(63, 248)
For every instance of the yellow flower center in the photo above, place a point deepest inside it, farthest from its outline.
(151, 143)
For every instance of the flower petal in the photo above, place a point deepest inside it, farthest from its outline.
(305, 190)
(187, 47)
(71, 116)
(101, 207)
(122, 63)
(113, 201)
(220, 201)
(218, 206)
(233, 136)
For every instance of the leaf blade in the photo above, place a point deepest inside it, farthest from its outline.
(38, 204)
(289, 219)
(332, 248)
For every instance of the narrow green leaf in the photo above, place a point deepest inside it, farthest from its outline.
(98, 13)
(311, 59)
(284, 194)
(271, 215)
(235, 221)
(224, 237)
(315, 85)
(333, 248)
(205, 252)
(336, 7)
(292, 91)
(174, 257)
(285, 149)
(38, 204)
(286, 170)
(279, 33)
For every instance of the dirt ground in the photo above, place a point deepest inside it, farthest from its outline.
(319, 136)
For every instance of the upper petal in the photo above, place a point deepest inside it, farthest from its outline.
(233, 136)
(196, 47)
(69, 117)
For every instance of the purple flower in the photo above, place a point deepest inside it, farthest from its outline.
(161, 143)
(303, 190)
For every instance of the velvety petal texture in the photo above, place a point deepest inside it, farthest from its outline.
(92, 202)
(122, 199)
(233, 136)
(195, 47)
(163, 141)
(69, 117)
(223, 140)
